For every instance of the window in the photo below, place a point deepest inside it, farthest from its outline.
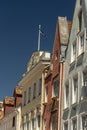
(84, 85)
(34, 91)
(53, 123)
(84, 122)
(80, 2)
(13, 124)
(74, 51)
(74, 124)
(80, 20)
(85, 78)
(75, 90)
(44, 124)
(40, 86)
(33, 124)
(67, 95)
(29, 94)
(27, 125)
(38, 119)
(24, 97)
(46, 94)
(23, 126)
(66, 126)
(55, 88)
(81, 40)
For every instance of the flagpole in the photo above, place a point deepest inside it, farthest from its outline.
(39, 38)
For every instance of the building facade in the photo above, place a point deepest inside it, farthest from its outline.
(32, 82)
(53, 78)
(75, 83)
(11, 119)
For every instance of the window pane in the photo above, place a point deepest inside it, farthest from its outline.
(55, 87)
(40, 85)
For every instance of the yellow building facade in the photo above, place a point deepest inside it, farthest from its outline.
(32, 82)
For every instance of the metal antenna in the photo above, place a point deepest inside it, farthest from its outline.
(39, 38)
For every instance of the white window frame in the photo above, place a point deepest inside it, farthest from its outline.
(74, 119)
(55, 82)
(81, 115)
(38, 122)
(64, 123)
(44, 126)
(84, 85)
(24, 97)
(73, 51)
(74, 90)
(82, 35)
(46, 94)
(66, 104)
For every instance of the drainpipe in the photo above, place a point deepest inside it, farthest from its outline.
(42, 99)
(62, 62)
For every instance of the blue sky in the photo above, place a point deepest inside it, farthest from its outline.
(19, 20)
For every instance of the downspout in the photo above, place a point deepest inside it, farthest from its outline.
(60, 94)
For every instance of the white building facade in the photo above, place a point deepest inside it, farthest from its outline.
(12, 120)
(75, 83)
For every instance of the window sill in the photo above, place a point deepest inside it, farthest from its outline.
(83, 99)
(54, 97)
(80, 54)
(44, 103)
(66, 108)
(74, 104)
(73, 62)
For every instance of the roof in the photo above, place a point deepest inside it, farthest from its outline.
(9, 100)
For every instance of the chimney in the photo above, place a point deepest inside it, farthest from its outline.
(9, 104)
(18, 95)
(1, 110)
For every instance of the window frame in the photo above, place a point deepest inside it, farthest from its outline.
(75, 89)
(65, 95)
(34, 90)
(40, 86)
(82, 115)
(24, 98)
(29, 94)
(74, 119)
(55, 88)
(74, 54)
